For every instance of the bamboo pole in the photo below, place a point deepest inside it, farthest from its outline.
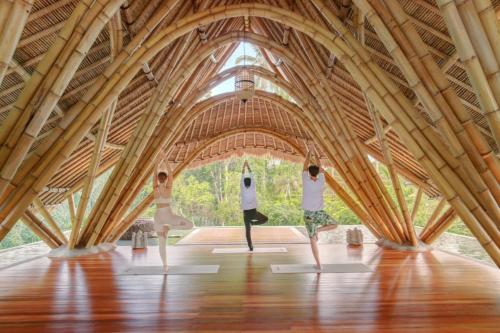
(434, 215)
(465, 168)
(410, 231)
(72, 211)
(440, 101)
(50, 220)
(476, 54)
(115, 27)
(40, 230)
(13, 17)
(441, 225)
(42, 92)
(416, 204)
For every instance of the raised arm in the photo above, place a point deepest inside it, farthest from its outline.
(170, 175)
(306, 162)
(155, 177)
(318, 163)
(244, 166)
(248, 167)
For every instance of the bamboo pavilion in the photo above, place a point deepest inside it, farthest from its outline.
(92, 85)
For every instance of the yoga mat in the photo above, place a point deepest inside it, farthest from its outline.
(236, 236)
(330, 268)
(172, 270)
(231, 250)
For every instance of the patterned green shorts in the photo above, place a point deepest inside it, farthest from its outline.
(315, 220)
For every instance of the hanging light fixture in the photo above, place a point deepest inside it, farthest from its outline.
(244, 83)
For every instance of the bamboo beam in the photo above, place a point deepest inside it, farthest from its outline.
(40, 230)
(103, 130)
(434, 215)
(49, 219)
(72, 211)
(416, 204)
(477, 54)
(386, 150)
(13, 17)
(441, 225)
(41, 94)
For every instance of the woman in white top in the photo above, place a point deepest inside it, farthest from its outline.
(315, 218)
(164, 219)
(248, 197)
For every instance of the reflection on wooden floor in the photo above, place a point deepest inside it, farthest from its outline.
(407, 292)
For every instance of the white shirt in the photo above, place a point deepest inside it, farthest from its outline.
(248, 195)
(312, 192)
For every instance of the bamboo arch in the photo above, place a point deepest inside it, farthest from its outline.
(374, 203)
(476, 208)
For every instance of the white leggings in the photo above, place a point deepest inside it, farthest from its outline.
(164, 217)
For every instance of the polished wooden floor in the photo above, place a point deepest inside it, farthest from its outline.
(407, 292)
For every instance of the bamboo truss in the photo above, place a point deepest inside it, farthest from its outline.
(396, 94)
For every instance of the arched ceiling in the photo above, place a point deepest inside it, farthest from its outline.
(48, 16)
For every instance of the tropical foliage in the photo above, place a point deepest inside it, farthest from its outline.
(209, 195)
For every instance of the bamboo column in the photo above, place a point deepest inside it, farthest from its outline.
(13, 16)
(392, 172)
(71, 129)
(116, 41)
(72, 211)
(441, 103)
(433, 232)
(42, 92)
(416, 204)
(472, 36)
(50, 220)
(40, 230)
(434, 215)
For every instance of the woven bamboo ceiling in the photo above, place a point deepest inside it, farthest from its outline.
(86, 85)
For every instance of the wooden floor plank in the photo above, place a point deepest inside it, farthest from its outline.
(413, 292)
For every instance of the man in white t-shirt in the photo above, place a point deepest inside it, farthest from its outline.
(315, 218)
(248, 196)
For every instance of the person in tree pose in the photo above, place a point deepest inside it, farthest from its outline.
(164, 219)
(315, 218)
(249, 203)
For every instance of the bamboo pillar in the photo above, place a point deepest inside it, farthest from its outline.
(13, 16)
(42, 92)
(392, 172)
(40, 230)
(72, 212)
(416, 204)
(116, 41)
(433, 232)
(477, 54)
(434, 215)
(50, 220)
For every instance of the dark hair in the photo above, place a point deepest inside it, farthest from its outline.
(313, 170)
(247, 181)
(162, 173)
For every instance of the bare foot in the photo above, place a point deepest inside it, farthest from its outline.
(317, 266)
(165, 268)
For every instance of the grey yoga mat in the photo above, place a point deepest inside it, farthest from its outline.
(329, 268)
(172, 270)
